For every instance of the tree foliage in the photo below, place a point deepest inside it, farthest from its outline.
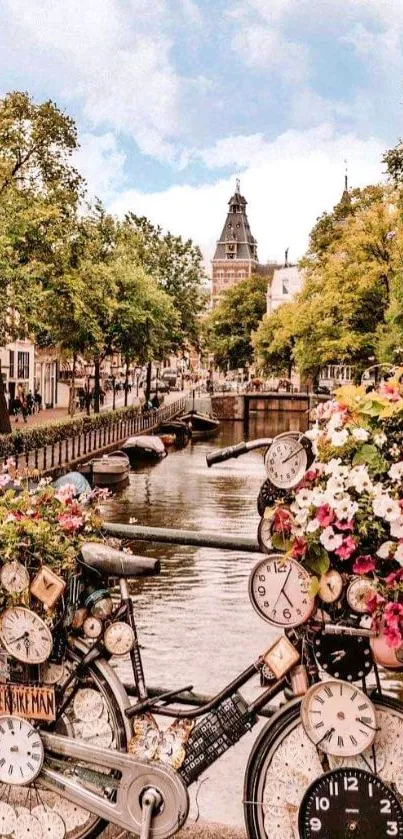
(230, 325)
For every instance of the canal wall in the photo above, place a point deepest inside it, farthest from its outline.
(238, 406)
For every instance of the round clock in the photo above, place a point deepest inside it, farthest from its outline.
(330, 586)
(14, 577)
(342, 656)
(288, 459)
(92, 627)
(338, 718)
(21, 751)
(359, 592)
(279, 591)
(264, 535)
(25, 636)
(119, 638)
(350, 803)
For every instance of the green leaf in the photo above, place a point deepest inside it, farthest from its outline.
(370, 456)
(314, 587)
(280, 542)
(317, 559)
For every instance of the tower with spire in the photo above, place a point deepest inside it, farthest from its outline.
(235, 255)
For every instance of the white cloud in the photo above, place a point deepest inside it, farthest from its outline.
(264, 47)
(192, 12)
(101, 163)
(288, 183)
(115, 57)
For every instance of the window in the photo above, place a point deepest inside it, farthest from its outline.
(231, 275)
(230, 256)
(241, 274)
(23, 365)
(286, 286)
(11, 364)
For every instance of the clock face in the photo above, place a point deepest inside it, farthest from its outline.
(92, 627)
(21, 751)
(281, 657)
(25, 636)
(264, 535)
(14, 577)
(347, 803)
(338, 718)
(343, 656)
(287, 460)
(119, 638)
(279, 591)
(359, 592)
(330, 586)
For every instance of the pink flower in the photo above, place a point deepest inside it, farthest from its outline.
(282, 521)
(344, 524)
(364, 564)
(308, 479)
(393, 613)
(390, 392)
(393, 636)
(4, 480)
(375, 602)
(70, 523)
(347, 548)
(325, 515)
(299, 548)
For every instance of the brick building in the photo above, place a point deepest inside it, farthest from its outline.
(236, 256)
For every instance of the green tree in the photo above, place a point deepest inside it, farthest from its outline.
(274, 339)
(230, 325)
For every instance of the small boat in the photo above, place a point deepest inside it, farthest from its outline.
(167, 439)
(203, 427)
(178, 429)
(145, 447)
(110, 470)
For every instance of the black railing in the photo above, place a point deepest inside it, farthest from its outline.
(56, 456)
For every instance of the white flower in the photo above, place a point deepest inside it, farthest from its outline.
(396, 528)
(384, 550)
(304, 498)
(358, 479)
(330, 540)
(360, 434)
(386, 507)
(380, 440)
(334, 465)
(335, 422)
(319, 497)
(345, 508)
(301, 516)
(335, 486)
(313, 433)
(312, 526)
(339, 438)
(399, 553)
(396, 471)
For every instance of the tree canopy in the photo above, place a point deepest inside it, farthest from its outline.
(230, 325)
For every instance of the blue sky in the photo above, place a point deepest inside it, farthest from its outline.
(174, 98)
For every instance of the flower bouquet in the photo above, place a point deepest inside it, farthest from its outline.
(347, 513)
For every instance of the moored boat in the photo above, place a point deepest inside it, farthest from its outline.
(202, 426)
(145, 447)
(110, 470)
(178, 429)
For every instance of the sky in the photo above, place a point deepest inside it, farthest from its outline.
(174, 99)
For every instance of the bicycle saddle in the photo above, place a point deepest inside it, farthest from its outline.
(114, 563)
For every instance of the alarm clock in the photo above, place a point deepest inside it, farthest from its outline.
(288, 459)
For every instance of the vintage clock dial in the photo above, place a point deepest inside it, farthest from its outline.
(92, 627)
(347, 803)
(264, 535)
(119, 638)
(25, 636)
(330, 586)
(288, 459)
(359, 592)
(338, 718)
(21, 751)
(342, 656)
(14, 577)
(279, 591)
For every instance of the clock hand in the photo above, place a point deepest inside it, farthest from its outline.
(287, 598)
(328, 734)
(290, 456)
(282, 588)
(359, 719)
(14, 640)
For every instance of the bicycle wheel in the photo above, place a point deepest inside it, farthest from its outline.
(283, 763)
(32, 812)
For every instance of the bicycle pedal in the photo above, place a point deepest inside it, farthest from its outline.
(150, 802)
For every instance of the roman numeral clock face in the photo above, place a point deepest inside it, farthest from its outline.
(21, 751)
(338, 718)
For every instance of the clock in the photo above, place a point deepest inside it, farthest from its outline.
(21, 751)
(359, 592)
(350, 803)
(14, 577)
(119, 638)
(338, 718)
(343, 656)
(279, 591)
(330, 586)
(264, 534)
(25, 636)
(93, 627)
(47, 587)
(288, 459)
(281, 657)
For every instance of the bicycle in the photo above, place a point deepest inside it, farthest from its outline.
(95, 758)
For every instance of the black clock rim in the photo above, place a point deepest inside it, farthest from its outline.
(341, 770)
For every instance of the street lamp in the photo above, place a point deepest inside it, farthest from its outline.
(114, 367)
(88, 370)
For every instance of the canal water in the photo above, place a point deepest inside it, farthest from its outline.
(195, 622)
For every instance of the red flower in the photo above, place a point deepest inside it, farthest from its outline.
(282, 521)
(393, 636)
(375, 602)
(325, 515)
(308, 479)
(346, 548)
(299, 547)
(364, 564)
(344, 524)
(394, 577)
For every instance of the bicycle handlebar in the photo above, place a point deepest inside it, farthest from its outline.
(235, 451)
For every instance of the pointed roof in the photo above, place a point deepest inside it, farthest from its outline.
(344, 205)
(236, 238)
